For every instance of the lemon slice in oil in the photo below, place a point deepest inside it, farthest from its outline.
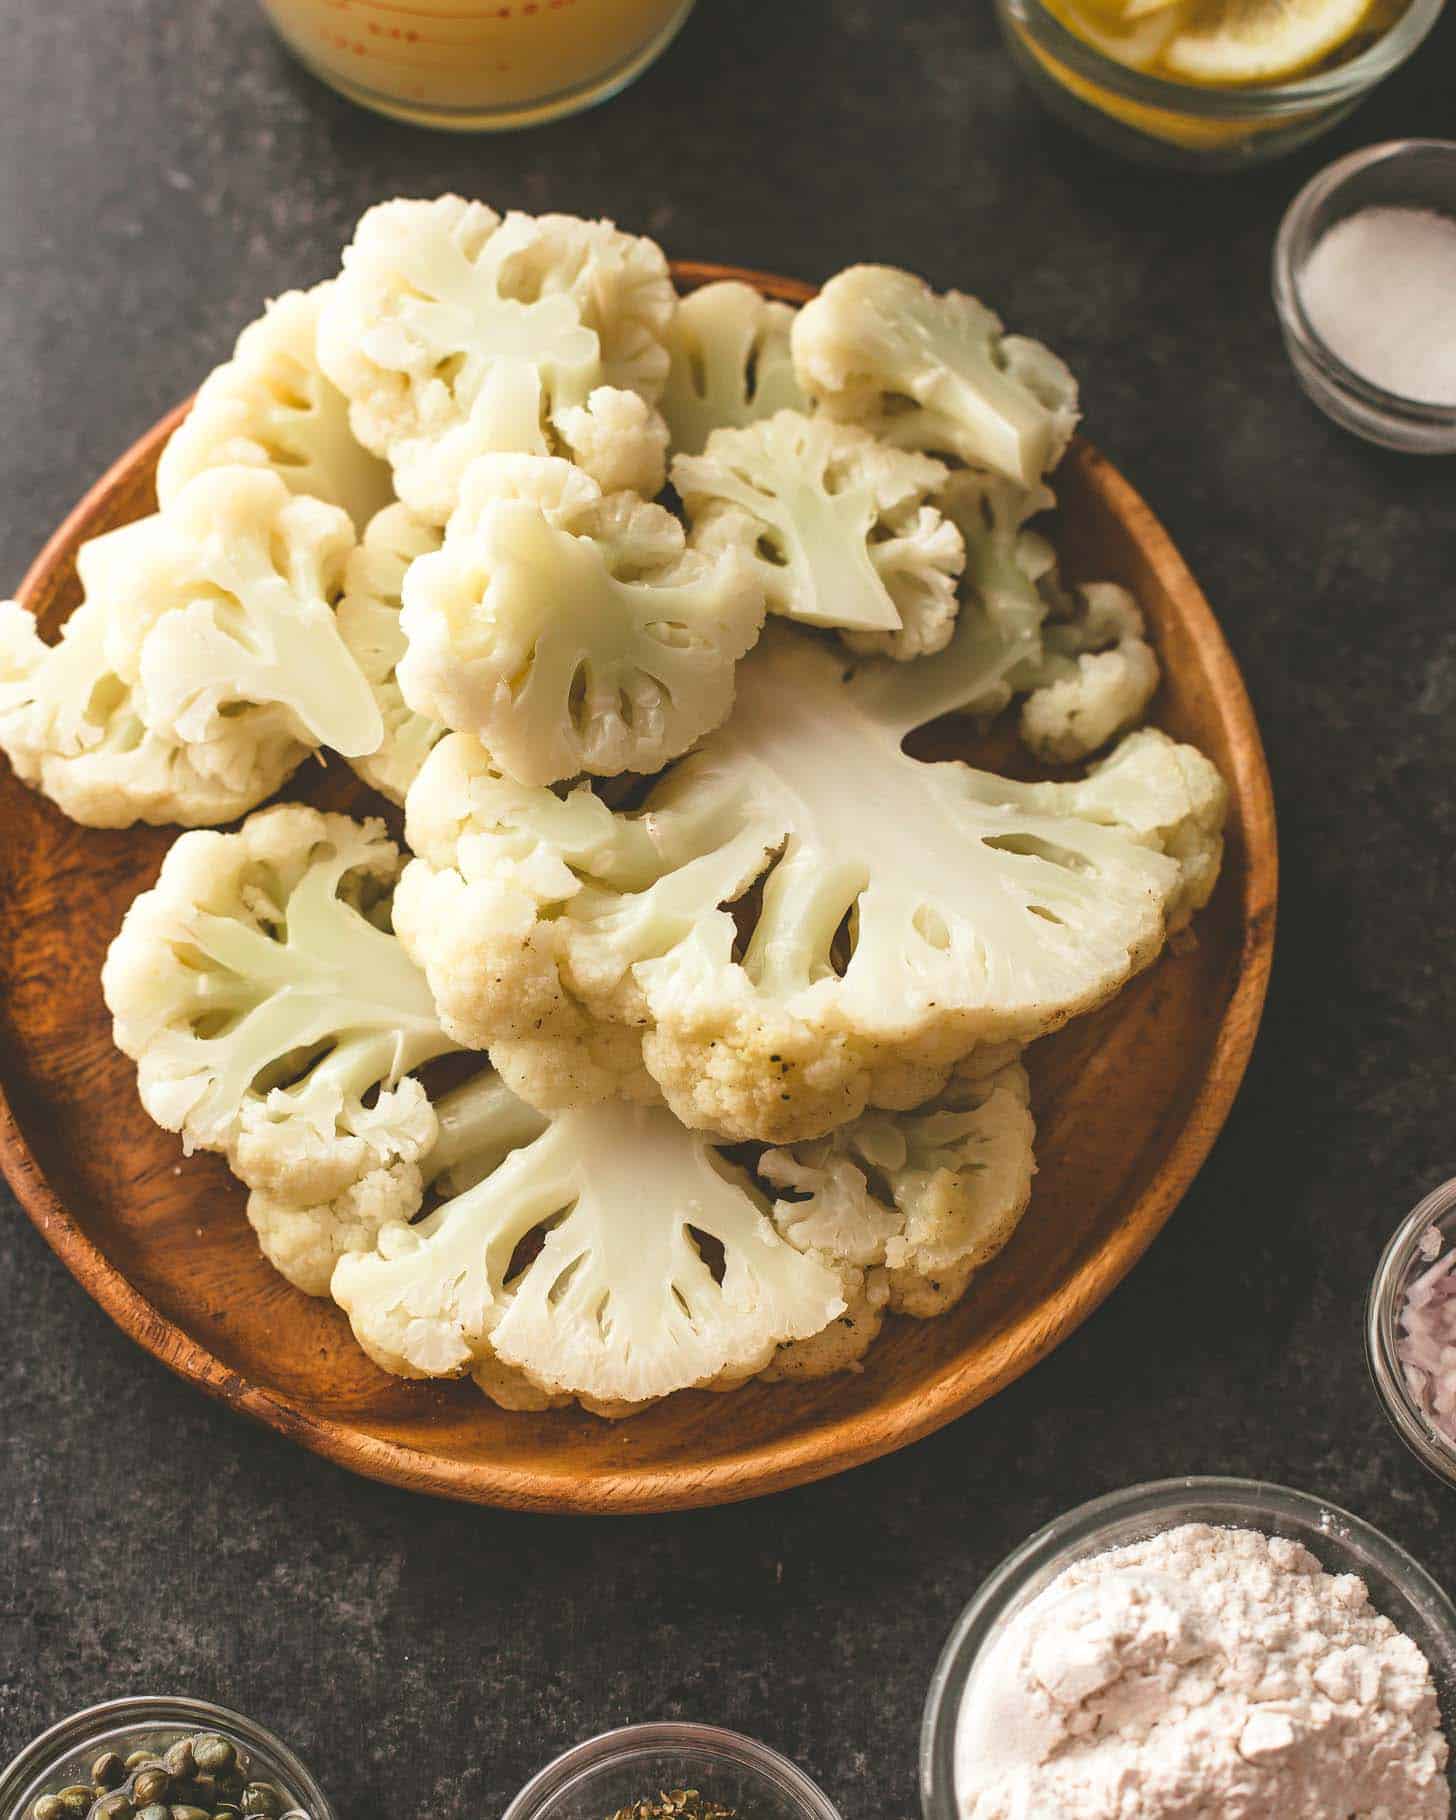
(1232, 42)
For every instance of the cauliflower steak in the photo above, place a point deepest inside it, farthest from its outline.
(802, 920)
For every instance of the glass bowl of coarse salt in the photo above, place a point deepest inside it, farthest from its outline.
(1365, 287)
(1046, 1611)
(1410, 1330)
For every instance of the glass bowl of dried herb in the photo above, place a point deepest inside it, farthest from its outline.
(671, 1771)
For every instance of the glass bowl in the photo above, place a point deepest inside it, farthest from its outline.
(476, 65)
(1406, 173)
(64, 1753)
(1399, 1587)
(622, 1767)
(1181, 124)
(1401, 1261)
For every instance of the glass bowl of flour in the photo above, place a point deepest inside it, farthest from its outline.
(1222, 1643)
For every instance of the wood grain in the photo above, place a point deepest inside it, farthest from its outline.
(1128, 1102)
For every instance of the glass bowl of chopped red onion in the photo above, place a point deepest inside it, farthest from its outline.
(671, 1771)
(1410, 1330)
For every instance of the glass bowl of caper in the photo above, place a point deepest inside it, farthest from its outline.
(157, 1757)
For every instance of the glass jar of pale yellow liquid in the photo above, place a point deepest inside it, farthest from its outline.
(476, 66)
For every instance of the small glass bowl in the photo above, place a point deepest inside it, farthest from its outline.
(1399, 1587)
(65, 1753)
(1405, 173)
(1181, 124)
(621, 1767)
(1400, 1262)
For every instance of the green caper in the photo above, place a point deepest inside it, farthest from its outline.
(108, 1771)
(150, 1785)
(227, 1812)
(77, 1798)
(262, 1798)
(213, 1754)
(178, 1759)
(154, 1810)
(113, 1807)
(183, 1811)
(49, 1807)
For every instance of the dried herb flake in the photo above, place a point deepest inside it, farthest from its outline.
(674, 1804)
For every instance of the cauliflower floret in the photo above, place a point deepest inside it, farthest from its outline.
(1009, 572)
(266, 1003)
(844, 1342)
(1171, 797)
(271, 407)
(71, 728)
(571, 631)
(836, 525)
(1095, 678)
(471, 1132)
(620, 440)
(925, 1197)
(1079, 655)
(368, 617)
(934, 371)
(731, 363)
(225, 601)
(801, 920)
(454, 332)
(616, 1259)
(304, 1243)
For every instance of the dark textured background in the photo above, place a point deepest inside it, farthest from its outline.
(163, 168)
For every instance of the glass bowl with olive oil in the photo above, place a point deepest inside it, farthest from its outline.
(1209, 84)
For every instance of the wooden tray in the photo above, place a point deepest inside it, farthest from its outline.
(1128, 1103)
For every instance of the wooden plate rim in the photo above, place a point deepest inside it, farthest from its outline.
(847, 1441)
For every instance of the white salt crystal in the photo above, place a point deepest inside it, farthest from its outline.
(1380, 290)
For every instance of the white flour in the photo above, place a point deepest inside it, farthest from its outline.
(1207, 1674)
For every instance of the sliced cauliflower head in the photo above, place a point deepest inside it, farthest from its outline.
(270, 406)
(71, 728)
(616, 1259)
(836, 525)
(369, 623)
(802, 920)
(1095, 677)
(477, 1126)
(935, 371)
(225, 602)
(731, 363)
(926, 1197)
(454, 332)
(570, 630)
(271, 1012)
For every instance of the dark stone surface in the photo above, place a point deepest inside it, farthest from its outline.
(162, 169)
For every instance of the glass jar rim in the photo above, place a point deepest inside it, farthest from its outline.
(1345, 82)
(156, 1711)
(627, 1742)
(1244, 1503)
(1382, 1316)
(1294, 229)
